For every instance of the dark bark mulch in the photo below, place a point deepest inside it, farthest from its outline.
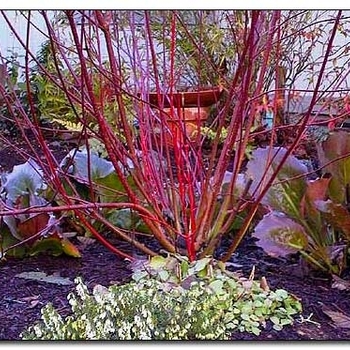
(21, 299)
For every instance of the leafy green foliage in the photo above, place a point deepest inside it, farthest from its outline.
(23, 188)
(286, 191)
(161, 303)
(306, 216)
(104, 73)
(211, 134)
(334, 157)
(86, 168)
(280, 236)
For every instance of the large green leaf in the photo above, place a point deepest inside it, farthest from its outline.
(85, 166)
(279, 235)
(56, 246)
(336, 215)
(289, 186)
(336, 146)
(111, 189)
(122, 218)
(316, 191)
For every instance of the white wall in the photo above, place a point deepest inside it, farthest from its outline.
(9, 43)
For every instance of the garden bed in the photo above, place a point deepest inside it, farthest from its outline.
(22, 299)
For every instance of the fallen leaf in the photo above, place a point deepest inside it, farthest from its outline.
(31, 298)
(340, 320)
(43, 277)
(69, 234)
(34, 303)
(339, 283)
(84, 242)
(263, 284)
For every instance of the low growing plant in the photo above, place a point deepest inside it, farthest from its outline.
(307, 216)
(29, 233)
(169, 299)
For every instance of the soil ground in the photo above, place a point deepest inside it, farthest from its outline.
(21, 299)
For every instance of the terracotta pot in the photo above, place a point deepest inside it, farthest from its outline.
(186, 99)
(188, 107)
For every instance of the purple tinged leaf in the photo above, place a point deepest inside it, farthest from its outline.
(279, 235)
(286, 193)
(316, 190)
(340, 320)
(336, 215)
(336, 146)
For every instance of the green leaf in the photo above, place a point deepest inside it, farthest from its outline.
(157, 262)
(245, 316)
(275, 320)
(229, 317)
(287, 189)
(258, 303)
(277, 327)
(256, 331)
(50, 245)
(285, 321)
(139, 275)
(201, 264)
(217, 286)
(259, 312)
(231, 325)
(163, 275)
(279, 235)
(232, 284)
(111, 189)
(122, 218)
(281, 293)
(184, 268)
(25, 178)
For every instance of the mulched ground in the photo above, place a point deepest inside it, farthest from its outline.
(21, 299)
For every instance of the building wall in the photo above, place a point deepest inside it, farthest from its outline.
(9, 44)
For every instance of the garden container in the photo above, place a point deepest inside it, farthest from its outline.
(184, 111)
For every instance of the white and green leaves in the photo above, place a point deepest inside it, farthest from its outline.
(25, 179)
(151, 309)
